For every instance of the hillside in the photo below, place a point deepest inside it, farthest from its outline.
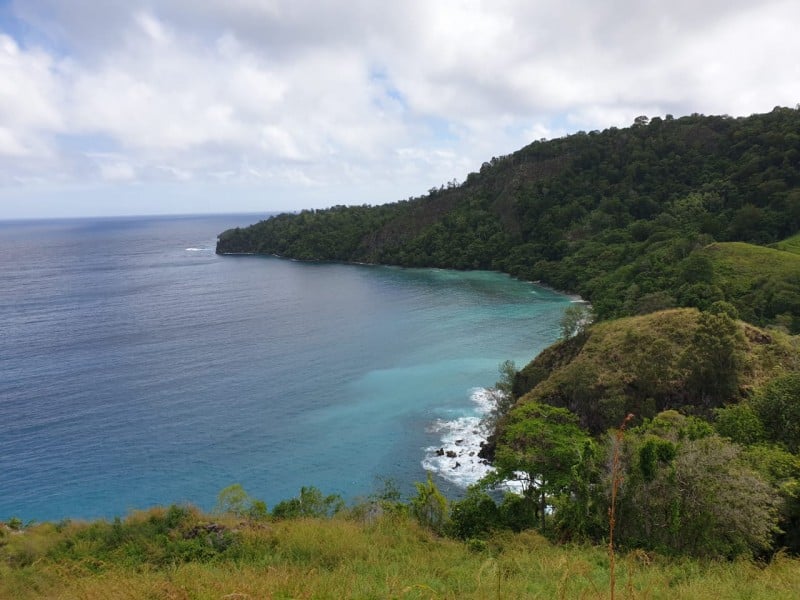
(763, 283)
(791, 244)
(648, 364)
(615, 216)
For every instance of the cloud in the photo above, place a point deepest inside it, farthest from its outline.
(349, 97)
(28, 98)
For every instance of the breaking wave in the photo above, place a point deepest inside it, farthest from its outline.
(456, 459)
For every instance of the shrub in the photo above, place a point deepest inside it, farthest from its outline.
(310, 503)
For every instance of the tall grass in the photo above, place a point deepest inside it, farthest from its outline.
(389, 557)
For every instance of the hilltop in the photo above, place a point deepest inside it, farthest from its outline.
(660, 361)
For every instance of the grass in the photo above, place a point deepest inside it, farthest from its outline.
(738, 266)
(391, 557)
(791, 244)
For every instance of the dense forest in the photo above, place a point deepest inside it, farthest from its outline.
(673, 402)
(623, 217)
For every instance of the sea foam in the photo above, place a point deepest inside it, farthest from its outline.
(456, 458)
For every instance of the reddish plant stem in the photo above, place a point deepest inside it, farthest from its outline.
(616, 481)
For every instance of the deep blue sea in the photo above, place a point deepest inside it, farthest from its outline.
(139, 368)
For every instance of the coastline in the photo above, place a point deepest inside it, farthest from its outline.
(575, 298)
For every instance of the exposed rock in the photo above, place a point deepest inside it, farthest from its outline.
(756, 336)
(206, 529)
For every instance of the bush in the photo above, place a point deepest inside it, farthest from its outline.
(429, 506)
(778, 407)
(310, 503)
(234, 500)
(475, 516)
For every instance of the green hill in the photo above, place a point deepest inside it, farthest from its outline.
(763, 283)
(612, 215)
(648, 364)
(791, 244)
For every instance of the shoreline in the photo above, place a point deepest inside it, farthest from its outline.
(574, 297)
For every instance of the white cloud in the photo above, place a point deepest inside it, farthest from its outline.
(29, 95)
(117, 171)
(361, 101)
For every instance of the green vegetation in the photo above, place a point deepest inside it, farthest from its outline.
(709, 459)
(620, 217)
(763, 283)
(540, 446)
(372, 550)
(680, 359)
(791, 244)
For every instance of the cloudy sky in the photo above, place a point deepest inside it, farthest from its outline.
(181, 106)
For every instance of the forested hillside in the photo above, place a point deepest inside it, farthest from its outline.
(683, 236)
(621, 217)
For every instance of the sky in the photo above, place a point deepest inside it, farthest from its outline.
(124, 107)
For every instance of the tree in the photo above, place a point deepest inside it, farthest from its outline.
(539, 447)
(778, 407)
(429, 506)
(782, 470)
(687, 490)
(235, 500)
(232, 500)
(576, 318)
(715, 358)
(503, 395)
(582, 512)
(474, 516)
(739, 423)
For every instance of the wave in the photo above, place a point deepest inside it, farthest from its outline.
(196, 249)
(456, 459)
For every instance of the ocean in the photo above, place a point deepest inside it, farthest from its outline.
(139, 368)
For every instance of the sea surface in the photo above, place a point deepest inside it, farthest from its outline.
(139, 368)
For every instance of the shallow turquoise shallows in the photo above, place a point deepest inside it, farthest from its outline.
(139, 368)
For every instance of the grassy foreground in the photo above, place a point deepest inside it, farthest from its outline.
(160, 554)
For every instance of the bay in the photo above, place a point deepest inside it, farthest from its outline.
(138, 368)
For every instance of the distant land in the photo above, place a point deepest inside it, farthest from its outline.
(622, 217)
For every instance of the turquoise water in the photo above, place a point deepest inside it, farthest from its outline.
(139, 368)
